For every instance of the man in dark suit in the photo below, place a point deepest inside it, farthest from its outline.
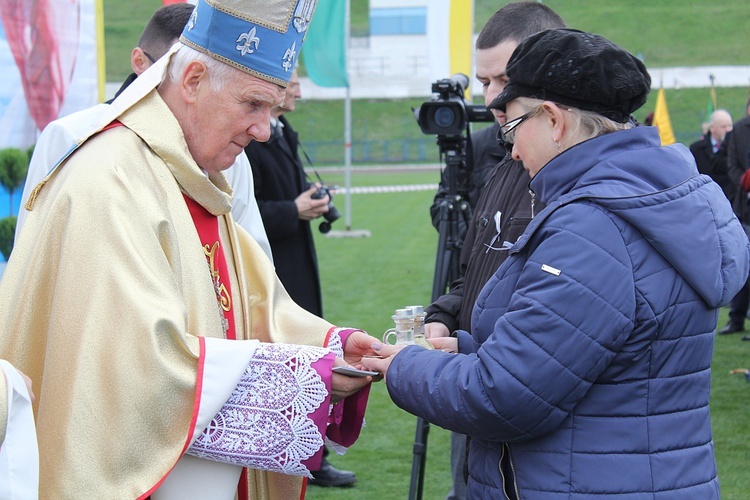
(285, 200)
(738, 150)
(712, 160)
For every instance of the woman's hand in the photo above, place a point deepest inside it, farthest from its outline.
(387, 352)
(382, 361)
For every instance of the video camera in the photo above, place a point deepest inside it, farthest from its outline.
(447, 113)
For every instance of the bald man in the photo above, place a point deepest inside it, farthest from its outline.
(710, 160)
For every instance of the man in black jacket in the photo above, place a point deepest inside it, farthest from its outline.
(286, 206)
(737, 144)
(709, 156)
(286, 203)
(505, 205)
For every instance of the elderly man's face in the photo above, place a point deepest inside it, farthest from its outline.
(721, 123)
(292, 93)
(221, 124)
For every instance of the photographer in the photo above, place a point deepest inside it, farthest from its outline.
(287, 203)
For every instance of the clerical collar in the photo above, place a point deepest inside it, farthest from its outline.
(275, 122)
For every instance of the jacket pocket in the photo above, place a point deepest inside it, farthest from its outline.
(515, 228)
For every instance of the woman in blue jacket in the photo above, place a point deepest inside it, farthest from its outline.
(587, 370)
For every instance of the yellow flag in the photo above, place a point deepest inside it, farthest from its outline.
(461, 42)
(101, 66)
(661, 119)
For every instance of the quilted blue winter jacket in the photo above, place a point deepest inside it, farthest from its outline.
(587, 371)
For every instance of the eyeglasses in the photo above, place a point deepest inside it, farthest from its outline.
(508, 131)
(149, 57)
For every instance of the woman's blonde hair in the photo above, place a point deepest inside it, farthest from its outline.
(589, 123)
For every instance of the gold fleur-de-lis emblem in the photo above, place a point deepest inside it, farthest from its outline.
(248, 40)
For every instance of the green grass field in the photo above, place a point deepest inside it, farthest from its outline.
(664, 33)
(364, 280)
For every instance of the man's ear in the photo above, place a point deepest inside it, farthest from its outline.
(138, 61)
(195, 75)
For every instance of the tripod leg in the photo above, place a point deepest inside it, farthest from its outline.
(443, 259)
(420, 459)
(446, 269)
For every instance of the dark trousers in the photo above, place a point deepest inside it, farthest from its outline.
(739, 306)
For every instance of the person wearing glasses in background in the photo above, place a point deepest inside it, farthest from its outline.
(587, 371)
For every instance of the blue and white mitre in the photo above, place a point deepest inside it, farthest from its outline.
(260, 37)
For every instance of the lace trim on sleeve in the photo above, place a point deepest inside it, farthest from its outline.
(265, 424)
(335, 343)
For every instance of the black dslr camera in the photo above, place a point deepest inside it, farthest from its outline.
(333, 214)
(447, 113)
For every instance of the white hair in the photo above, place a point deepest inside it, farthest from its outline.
(219, 74)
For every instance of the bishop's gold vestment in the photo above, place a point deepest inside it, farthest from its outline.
(105, 296)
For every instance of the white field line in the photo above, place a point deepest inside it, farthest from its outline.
(387, 189)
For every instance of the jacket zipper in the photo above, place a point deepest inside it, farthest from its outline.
(513, 471)
(533, 197)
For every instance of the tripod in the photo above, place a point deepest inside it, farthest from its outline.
(446, 271)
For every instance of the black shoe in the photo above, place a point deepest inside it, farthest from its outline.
(731, 328)
(328, 475)
(746, 337)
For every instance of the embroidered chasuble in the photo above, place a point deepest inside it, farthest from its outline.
(109, 303)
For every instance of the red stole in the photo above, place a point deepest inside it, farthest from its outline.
(208, 232)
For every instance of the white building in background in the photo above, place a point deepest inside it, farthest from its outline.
(408, 46)
(395, 60)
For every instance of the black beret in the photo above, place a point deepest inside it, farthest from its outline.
(577, 69)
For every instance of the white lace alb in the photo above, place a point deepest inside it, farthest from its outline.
(265, 424)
